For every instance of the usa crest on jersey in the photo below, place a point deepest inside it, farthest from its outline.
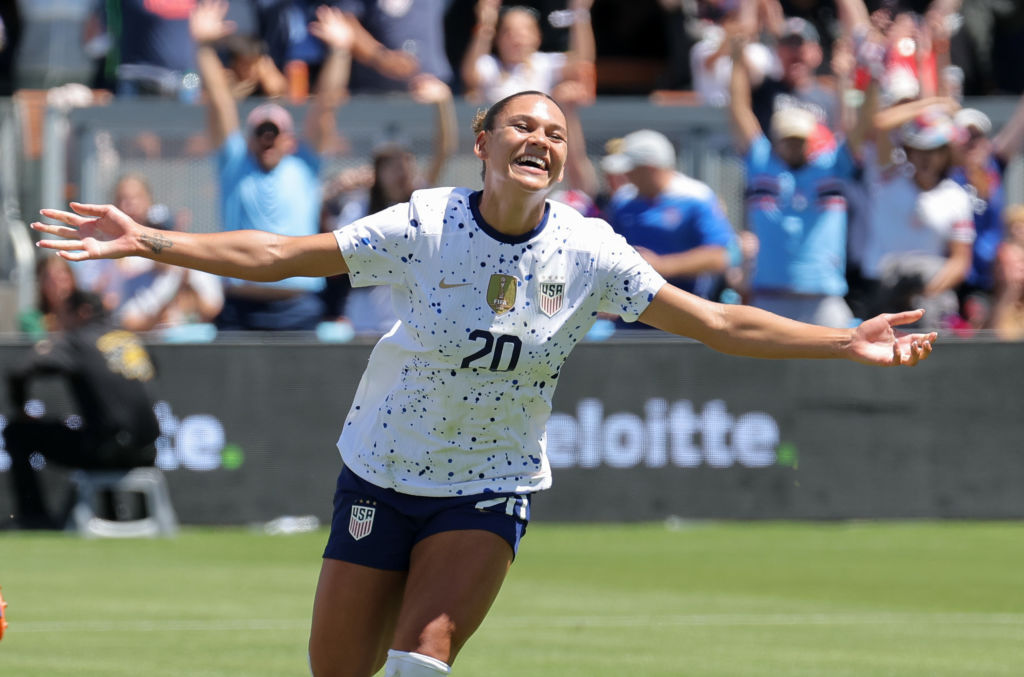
(550, 294)
(360, 521)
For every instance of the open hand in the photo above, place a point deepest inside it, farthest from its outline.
(427, 88)
(92, 232)
(875, 341)
(207, 24)
(332, 27)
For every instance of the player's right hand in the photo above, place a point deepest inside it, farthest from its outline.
(90, 232)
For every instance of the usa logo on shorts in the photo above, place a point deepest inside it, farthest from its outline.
(360, 522)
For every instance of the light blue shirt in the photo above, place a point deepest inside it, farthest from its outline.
(285, 200)
(799, 216)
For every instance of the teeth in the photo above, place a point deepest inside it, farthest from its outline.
(533, 160)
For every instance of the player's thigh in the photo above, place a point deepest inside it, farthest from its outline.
(354, 615)
(454, 577)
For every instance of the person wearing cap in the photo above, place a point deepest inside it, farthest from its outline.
(796, 207)
(269, 178)
(799, 54)
(675, 221)
(710, 57)
(981, 163)
(921, 222)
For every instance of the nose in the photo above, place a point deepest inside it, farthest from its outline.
(538, 137)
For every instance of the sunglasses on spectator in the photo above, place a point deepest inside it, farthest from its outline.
(265, 128)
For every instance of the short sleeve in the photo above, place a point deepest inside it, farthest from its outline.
(487, 69)
(231, 155)
(373, 246)
(627, 284)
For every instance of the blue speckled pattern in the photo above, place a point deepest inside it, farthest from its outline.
(456, 396)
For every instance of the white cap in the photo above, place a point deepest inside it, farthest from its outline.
(643, 148)
(901, 84)
(788, 123)
(966, 118)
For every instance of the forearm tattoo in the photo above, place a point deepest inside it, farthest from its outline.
(157, 243)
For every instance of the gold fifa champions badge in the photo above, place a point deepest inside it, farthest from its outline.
(501, 292)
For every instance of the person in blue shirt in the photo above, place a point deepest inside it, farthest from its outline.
(270, 179)
(675, 221)
(796, 206)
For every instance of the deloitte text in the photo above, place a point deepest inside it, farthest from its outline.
(668, 434)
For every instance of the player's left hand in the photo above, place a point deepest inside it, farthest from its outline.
(875, 341)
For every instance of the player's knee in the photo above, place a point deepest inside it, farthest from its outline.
(411, 664)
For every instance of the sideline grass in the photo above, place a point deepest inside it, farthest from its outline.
(732, 599)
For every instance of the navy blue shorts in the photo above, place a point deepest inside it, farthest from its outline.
(378, 527)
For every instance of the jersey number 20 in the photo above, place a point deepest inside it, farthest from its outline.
(497, 349)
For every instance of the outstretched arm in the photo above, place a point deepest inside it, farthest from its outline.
(752, 332)
(105, 232)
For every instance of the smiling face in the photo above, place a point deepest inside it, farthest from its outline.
(526, 146)
(269, 145)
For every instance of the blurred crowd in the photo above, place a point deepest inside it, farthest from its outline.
(869, 186)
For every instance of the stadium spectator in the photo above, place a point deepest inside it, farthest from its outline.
(106, 370)
(155, 296)
(55, 282)
(921, 226)
(1007, 317)
(48, 48)
(251, 70)
(517, 64)
(151, 51)
(982, 162)
(396, 41)
(673, 220)
(796, 207)
(395, 177)
(444, 444)
(711, 57)
(269, 179)
(799, 53)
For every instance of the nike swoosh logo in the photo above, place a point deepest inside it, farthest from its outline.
(444, 285)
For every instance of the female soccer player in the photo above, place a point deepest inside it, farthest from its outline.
(444, 442)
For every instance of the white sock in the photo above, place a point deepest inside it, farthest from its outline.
(409, 664)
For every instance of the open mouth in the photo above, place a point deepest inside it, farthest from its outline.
(533, 162)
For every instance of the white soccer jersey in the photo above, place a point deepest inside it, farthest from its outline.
(456, 396)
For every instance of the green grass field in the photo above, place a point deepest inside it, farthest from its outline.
(855, 599)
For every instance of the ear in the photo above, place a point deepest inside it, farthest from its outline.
(480, 145)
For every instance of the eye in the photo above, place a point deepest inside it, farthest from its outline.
(522, 126)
